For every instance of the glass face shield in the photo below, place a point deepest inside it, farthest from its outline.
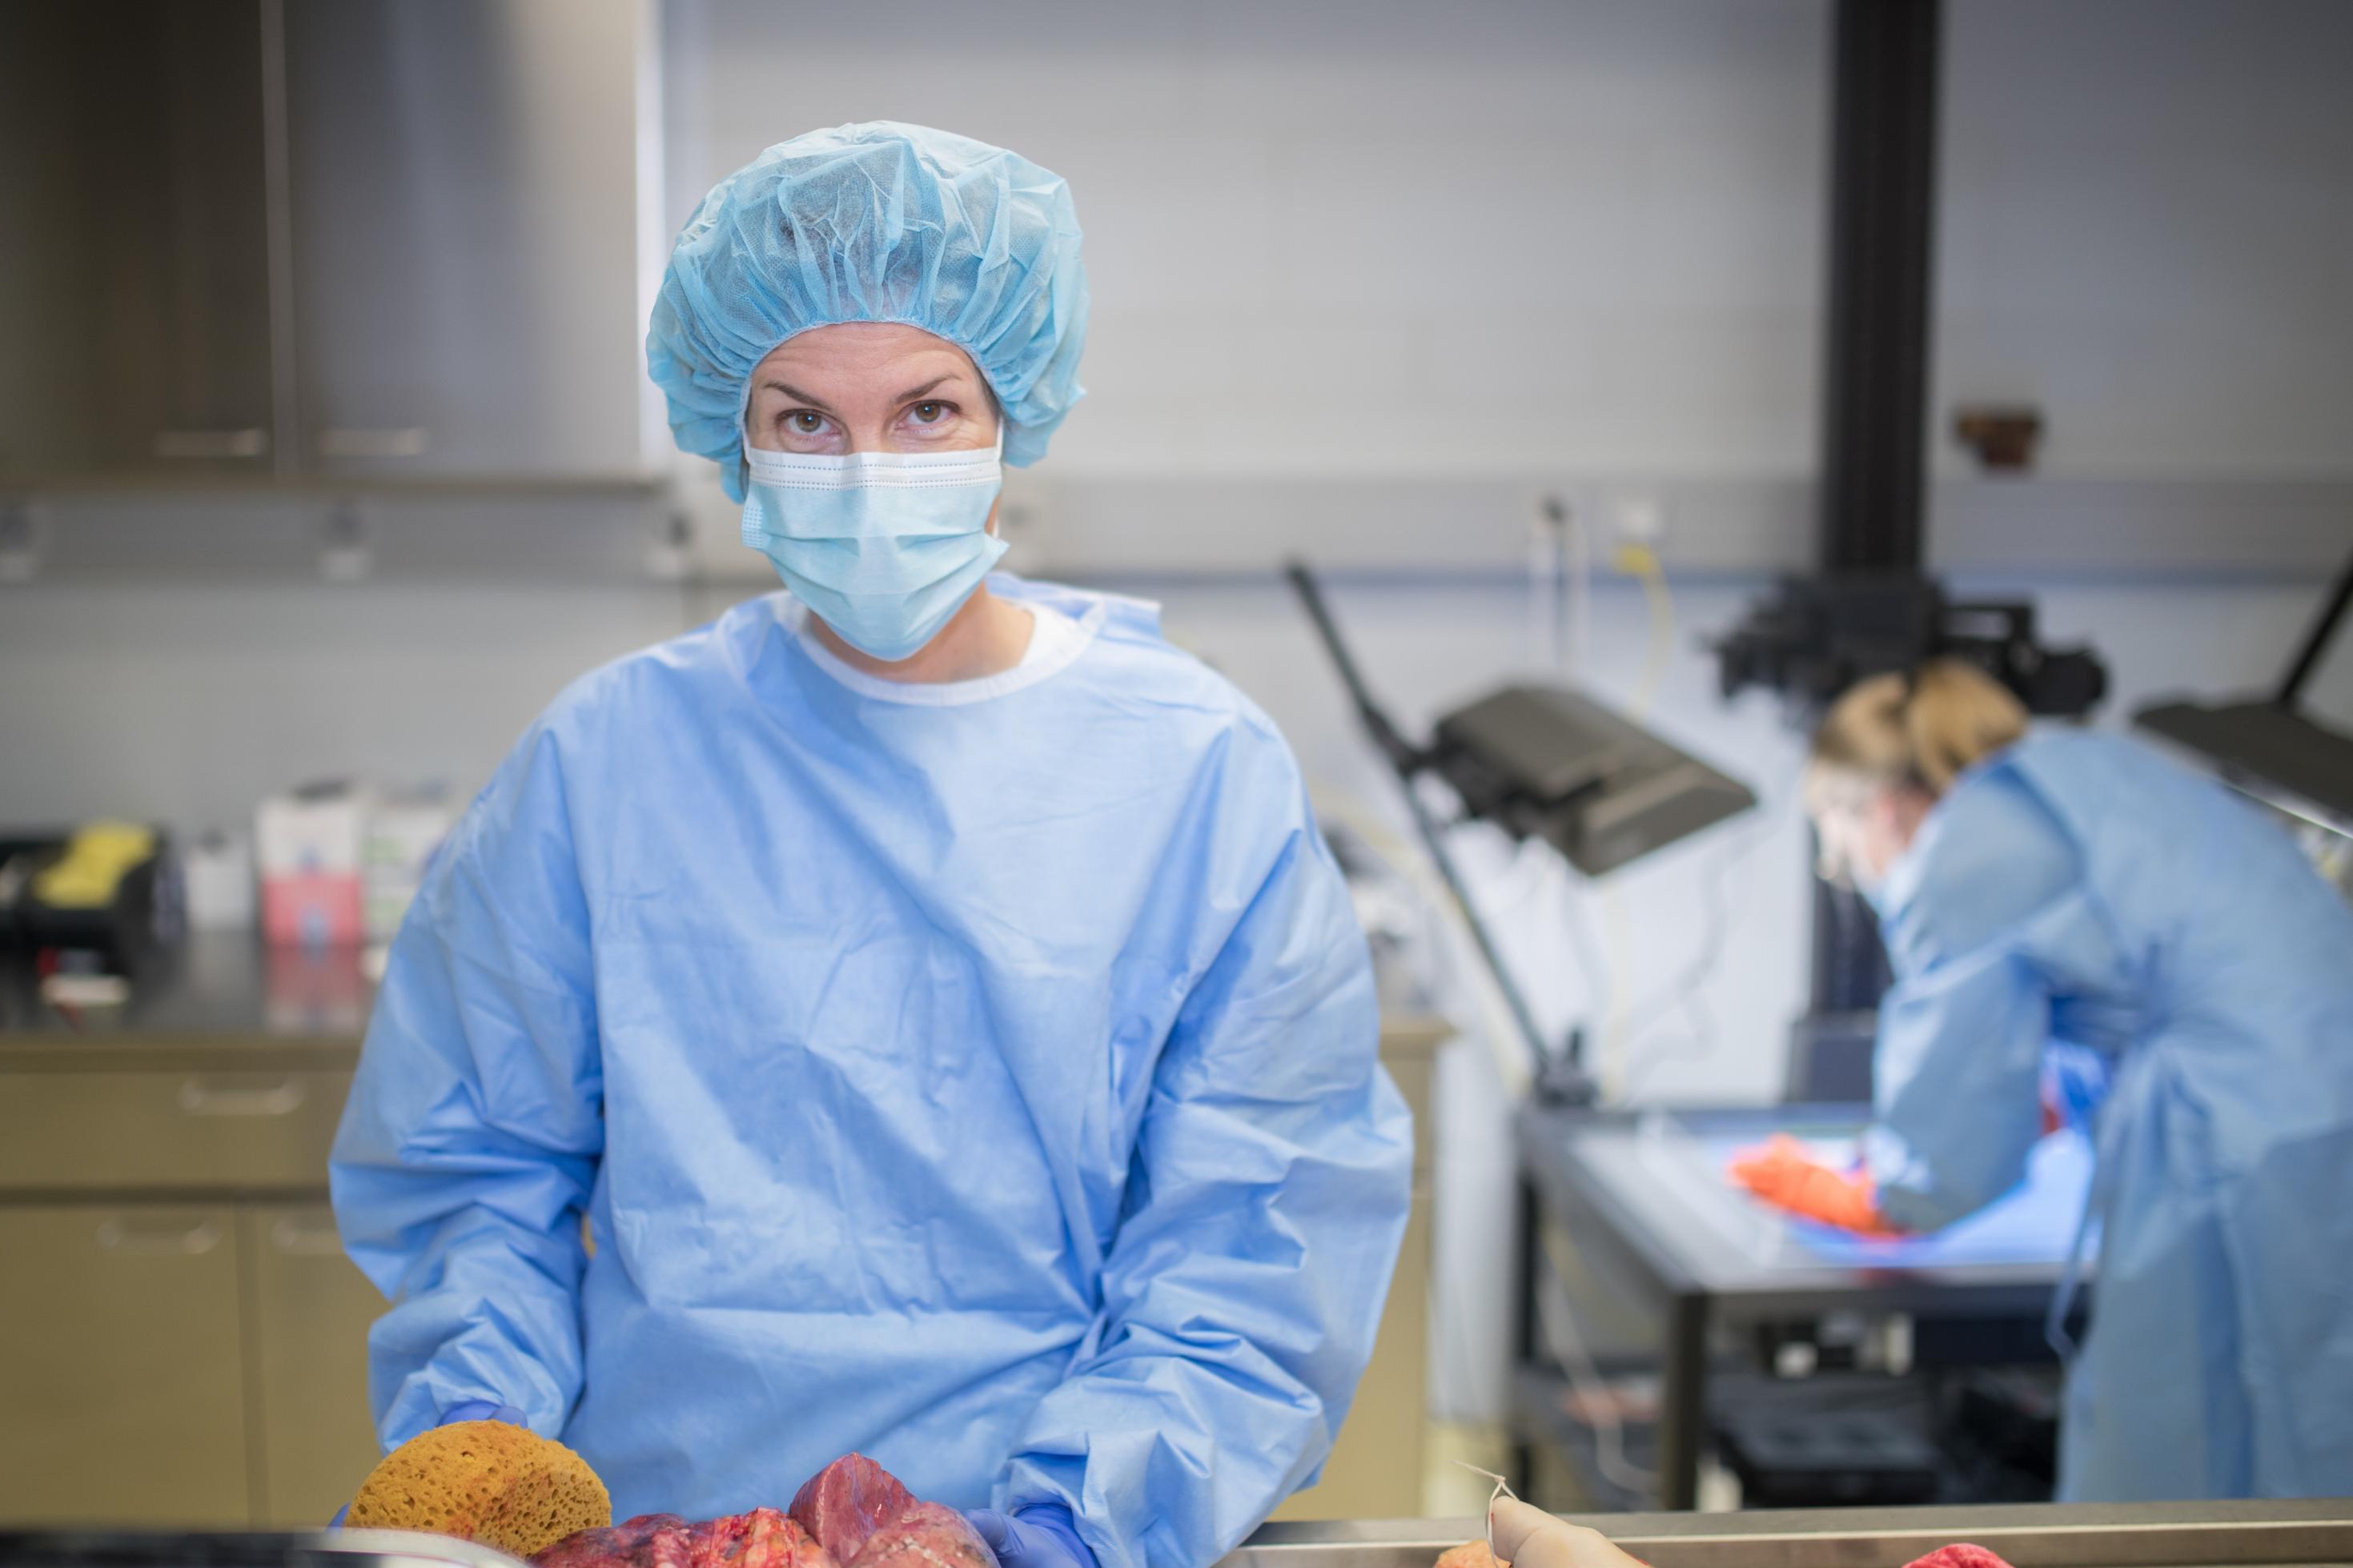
(1839, 805)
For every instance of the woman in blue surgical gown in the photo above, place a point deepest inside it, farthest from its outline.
(929, 985)
(2073, 887)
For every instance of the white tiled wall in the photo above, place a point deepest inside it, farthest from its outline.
(1449, 240)
(2148, 222)
(1425, 238)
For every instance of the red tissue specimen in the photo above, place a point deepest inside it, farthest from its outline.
(851, 1514)
(1963, 1556)
(847, 1502)
(763, 1538)
(615, 1546)
(927, 1535)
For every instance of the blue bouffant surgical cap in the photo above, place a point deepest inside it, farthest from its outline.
(874, 223)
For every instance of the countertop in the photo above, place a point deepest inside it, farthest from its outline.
(279, 1008)
(222, 990)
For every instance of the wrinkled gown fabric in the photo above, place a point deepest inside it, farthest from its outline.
(981, 1078)
(2078, 887)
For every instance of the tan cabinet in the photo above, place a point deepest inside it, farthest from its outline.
(1375, 1468)
(122, 1371)
(308, 1312)
(181, 1341)
(218, 1128)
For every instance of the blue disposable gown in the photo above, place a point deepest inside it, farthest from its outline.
(2077, 888)
(978, 1077)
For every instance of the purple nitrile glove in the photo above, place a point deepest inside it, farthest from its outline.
(466, 1410)
(1038, 1535)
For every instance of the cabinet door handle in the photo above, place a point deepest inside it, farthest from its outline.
(409, 442)
(151, 1238)
(296, 1239)
(250, 442)
(199, 1098)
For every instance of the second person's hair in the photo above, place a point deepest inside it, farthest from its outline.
(1924, 730)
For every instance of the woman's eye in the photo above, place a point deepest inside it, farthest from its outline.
(929, 413)
(802, 422)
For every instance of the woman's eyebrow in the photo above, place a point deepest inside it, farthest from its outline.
(915, 392)
(796, 394)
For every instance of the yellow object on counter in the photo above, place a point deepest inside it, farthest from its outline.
(488, 1481)
(97, 858)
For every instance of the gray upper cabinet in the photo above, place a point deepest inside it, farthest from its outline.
(323, 239)
(464, 200)
(134, 292)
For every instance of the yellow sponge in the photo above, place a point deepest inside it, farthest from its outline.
(490, 1481)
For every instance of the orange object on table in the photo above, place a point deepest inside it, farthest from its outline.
(1785, 1176)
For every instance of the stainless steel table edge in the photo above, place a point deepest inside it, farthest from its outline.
(2046, 1535)
(411, 1546)
(103, 1547)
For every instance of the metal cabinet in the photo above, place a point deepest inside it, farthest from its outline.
(122, 1368)
(464, 182)
(134, 294)
(307, 1312)
(343, 240)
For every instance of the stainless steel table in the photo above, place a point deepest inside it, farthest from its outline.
(2140, 1535)
(1647, 1212)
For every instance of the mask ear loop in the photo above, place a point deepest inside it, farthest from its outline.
(1502, 1489)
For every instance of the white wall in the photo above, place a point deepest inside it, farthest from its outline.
(1320, 237)
(186, 704)
(2148, 228)
(1462, 255)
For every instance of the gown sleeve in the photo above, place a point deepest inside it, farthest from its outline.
(1971, 928)
(471, 1139)
(1267, 1199)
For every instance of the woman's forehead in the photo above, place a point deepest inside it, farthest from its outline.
(857, 349)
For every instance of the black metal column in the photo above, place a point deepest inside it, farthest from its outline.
(1883, 199)
(1682, 1403)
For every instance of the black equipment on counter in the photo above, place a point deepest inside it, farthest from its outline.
(142, 912)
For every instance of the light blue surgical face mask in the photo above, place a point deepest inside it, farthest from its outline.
(883, 546)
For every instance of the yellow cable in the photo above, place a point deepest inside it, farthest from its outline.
(1642, 561)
